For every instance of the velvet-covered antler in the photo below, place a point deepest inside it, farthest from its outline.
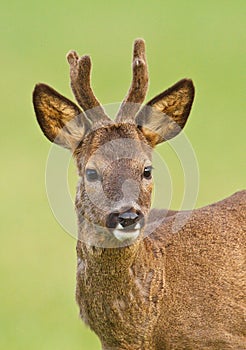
(139, 86)
(80, 68)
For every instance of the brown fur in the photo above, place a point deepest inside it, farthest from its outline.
(181, 284)
(170, 291)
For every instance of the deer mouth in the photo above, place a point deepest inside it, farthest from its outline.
(125, 225)
(129, 233)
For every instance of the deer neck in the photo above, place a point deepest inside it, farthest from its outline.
(104, 258)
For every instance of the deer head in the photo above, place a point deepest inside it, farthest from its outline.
(113, 157)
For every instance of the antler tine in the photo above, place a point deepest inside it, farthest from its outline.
(139, 86)
(80, 68)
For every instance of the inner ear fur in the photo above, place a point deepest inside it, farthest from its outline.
(164, 116)
(60, 119)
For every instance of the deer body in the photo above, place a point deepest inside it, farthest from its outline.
(183, 290)
(146, 279)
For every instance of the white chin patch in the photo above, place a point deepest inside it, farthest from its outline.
(122, 235)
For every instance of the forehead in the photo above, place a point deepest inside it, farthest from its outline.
(114, 142)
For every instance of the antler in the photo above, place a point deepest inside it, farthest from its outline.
(139, 86)
(80, 68)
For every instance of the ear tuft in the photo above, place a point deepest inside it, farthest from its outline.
(165, 115)
(60, 119)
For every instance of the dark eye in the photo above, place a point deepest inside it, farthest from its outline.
(91, 174)
(147, 174)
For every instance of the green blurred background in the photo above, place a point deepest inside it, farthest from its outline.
(202, 40)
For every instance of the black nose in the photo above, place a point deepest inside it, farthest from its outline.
(127, 219)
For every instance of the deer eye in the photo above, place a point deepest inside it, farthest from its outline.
(91, 174)
(147, 174)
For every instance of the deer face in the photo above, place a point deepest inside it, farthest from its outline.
(115, 183)
(113, 158)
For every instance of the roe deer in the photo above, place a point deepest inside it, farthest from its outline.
(141, 284)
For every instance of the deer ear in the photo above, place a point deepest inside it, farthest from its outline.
(60, 119)
(165, 115)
